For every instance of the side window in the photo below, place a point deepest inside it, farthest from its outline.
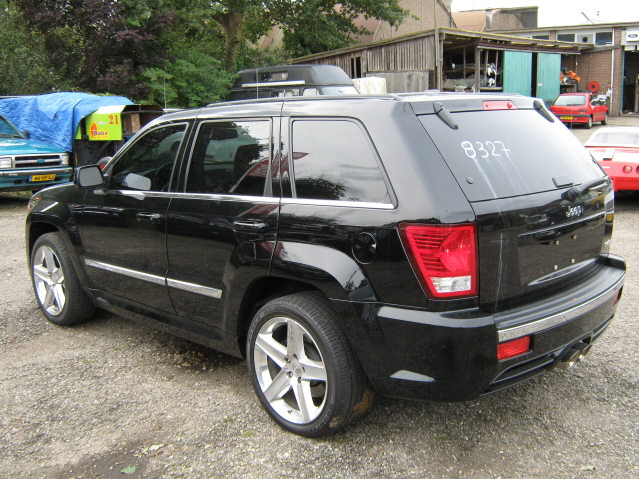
(148, 163)
(334, 160)
(230, 158)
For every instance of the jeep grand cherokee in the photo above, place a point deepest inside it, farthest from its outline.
(435, 246)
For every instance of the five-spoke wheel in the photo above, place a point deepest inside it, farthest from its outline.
(57, 288)
(302, 367)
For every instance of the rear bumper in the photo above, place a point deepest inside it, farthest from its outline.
(417, 354)
(568, 118)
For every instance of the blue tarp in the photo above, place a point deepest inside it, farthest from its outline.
(54, 117)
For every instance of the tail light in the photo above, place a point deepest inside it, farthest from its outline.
(627, 169)
(513, 348)
(444, 258)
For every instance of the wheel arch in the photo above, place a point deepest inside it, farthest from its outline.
(260, 292)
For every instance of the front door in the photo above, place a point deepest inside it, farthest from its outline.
(124, 226)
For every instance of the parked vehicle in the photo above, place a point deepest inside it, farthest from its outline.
(28, 164)
(291, 80)
(419, 246)
(583, 108)
(88, 127)
(616, 149)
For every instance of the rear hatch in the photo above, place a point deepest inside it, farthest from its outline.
(521, 169)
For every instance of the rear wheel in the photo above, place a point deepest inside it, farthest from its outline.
(605, 119)
(57, 288)
(589, 124)
(303, 369)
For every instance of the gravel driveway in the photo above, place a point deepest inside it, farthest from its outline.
(112, 399)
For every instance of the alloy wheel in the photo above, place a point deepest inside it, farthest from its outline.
(290, 370)
(48, 279)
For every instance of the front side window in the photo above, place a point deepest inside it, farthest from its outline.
(148, 164)
(334, 160)
(230, 157)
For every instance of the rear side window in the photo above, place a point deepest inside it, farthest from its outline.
(505, 153)
(230, 157)
(335, 160)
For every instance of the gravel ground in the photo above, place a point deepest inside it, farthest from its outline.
(113, 399)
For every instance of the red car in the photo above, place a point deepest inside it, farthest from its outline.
(616, 149)
(584, 108)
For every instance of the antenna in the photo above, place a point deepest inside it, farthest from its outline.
(589, 20)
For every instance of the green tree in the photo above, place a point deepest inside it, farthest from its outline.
(26, 69)
(310, 26)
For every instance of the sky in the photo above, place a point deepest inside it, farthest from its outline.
(563, 12)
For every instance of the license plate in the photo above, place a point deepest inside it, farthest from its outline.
(42, 177)
(566, 117)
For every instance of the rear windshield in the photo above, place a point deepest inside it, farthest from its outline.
(570, 100)
(504, 153)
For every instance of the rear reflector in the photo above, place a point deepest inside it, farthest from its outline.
(444, 258)
(513, 348)
(499, 105)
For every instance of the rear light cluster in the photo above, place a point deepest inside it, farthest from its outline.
(627, 169)
(444, 258)
(513, 348)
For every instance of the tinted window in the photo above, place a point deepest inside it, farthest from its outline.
(230, 158)
(334, 160)
(148, 163)
(504, 153)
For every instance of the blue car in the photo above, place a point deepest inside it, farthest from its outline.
(27, 164)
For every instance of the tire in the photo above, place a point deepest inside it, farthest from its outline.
(302, 367)
(55, 283)
(605, 119)
(589, 124)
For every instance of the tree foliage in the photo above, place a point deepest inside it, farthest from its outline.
(25, 64)
(310, 26)
(102, 45)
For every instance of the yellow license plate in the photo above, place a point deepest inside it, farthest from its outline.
(566, 117)
(42, 177)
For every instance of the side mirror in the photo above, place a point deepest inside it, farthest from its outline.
(26, 134)
(102, 162)
(89, 176)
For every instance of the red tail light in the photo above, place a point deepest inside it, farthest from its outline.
(513, 348)
(627, 169)
(444, 258)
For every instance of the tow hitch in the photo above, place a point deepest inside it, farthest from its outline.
(575, 353)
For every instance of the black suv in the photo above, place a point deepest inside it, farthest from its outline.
(434, 246)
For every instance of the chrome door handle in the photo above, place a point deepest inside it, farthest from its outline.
(249, 225)
(152, 217)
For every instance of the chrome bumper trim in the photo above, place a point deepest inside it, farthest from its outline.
(39, 171)
(559, 318)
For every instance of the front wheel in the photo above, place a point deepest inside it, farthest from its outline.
(57, 288)
(302, 367)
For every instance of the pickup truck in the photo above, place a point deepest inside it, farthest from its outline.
(28, 164)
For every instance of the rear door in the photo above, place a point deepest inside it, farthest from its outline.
(223, 223)
(516, 166)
